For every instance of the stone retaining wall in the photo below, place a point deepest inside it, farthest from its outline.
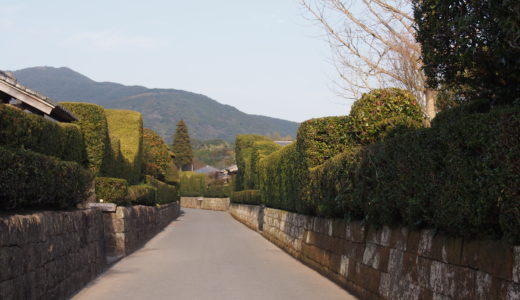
(392, 263)
(49, 255)
(52, 255)
(130, 227)
(221, 204)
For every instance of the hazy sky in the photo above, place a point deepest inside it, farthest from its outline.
(262, 57)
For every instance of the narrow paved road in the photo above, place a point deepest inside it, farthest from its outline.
(209, 255)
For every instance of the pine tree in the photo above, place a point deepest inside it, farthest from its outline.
(182, 147)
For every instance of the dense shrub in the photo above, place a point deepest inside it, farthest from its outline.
(112, 190)
(192, 184)
(460, 176)
(281, 177)
(166, 193)
(19, 129)
(142, 194)
(32, 180)
(247, 197)
(181, 147)
(383, 112)
(321, 139)
(94, 128)
(243, 151)
(218, 189)
(472, 46)
(126, 130)
(157, 161)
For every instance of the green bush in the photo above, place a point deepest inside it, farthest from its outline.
(282, 175)
(244, 150)
(19, 129)
(32, 180)
(320, 139)
(94, 128)
(126, 129)
(157, 161)
(112, 190)
(460, 176)
(247, 197)
(218, 189)
(383, 112)
(165, 193)
(192, 184)
(142, 194)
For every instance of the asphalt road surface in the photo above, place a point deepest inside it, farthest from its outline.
(209, 255)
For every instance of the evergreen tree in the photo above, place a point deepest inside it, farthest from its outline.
(182, 147)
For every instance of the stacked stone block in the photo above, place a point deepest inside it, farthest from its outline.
(49, 255)
(218, 204)
(392, 263)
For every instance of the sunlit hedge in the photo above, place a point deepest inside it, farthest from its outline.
(19, 129)
(247, 197)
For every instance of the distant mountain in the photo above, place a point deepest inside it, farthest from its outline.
(161, 108)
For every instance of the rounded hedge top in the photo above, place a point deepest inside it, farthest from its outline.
(378, 113)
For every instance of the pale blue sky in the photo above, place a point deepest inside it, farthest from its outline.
(262, 57)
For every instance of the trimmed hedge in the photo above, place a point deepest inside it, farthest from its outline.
(192, 184)
(382, 113)
(243, 151)
(166, 193)
(19, 129)
(218, 190)
(320, 139)
(142, 194)
(460, 176)
(94, 128)
(253, 197)
(126, 129)
(112, 190)
(33, 180)
(281, 176)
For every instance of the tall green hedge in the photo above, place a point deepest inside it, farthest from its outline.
(32, 180)
(460, 176)
(142, 194)
(166, 193)
(19, 129)
(249, 150)
(126, 129)
(281, 176)
(192, 184)
(94, 127)
(247, 197)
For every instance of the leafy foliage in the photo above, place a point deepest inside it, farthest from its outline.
(19, 129)
(472, 46)
(142, 194)
(157, 160)
(32, 180)
(192, 184)
(166, 193)
(217, 152)
(94, 128)
(182, 147)
(112, 190)
(247, 197)
(249, 148)
(383, 112)
(126, 131)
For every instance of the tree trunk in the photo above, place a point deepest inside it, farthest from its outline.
(431, 96)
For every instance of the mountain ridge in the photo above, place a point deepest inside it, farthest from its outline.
(161, 108)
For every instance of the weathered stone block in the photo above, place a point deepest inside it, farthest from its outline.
(487, 259)
(513, 291)
(338, 228)
(516, 266)
(446, 249)
(356, 232)
(414, 239)
(426, 242)
(376, 257)
(470, 253)
(416, 269)
(395, 262)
